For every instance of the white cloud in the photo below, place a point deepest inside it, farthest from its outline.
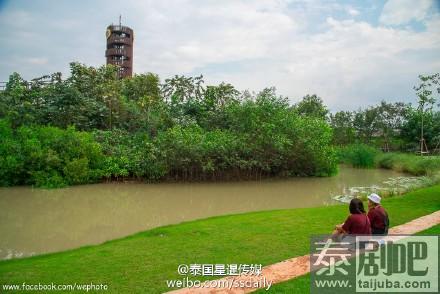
(214, 33)
(300, 49)
(352, 11)
(365, 61)
(37, 60)
(350, 64)
(396, 12)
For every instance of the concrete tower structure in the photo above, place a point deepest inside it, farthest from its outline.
(119, 50)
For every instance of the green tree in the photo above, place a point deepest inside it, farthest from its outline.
(16, 102)
(391, 117)
(426, 101)
(343, 129)
(312, 105)
(101, 92)
(214, 105)
(184, 96)
(366, 123)
(147, 110)
(144, 88)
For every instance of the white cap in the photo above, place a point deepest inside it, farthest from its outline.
(374, 198)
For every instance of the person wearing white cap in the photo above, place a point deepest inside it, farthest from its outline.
(378, 216)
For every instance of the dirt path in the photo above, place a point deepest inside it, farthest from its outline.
(298, 266)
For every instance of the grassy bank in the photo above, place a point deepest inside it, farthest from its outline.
(302, 284)
(409, 163)
(364, 156)
(143, 262)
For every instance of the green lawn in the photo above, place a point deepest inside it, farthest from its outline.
(302, 284)
(143, 262)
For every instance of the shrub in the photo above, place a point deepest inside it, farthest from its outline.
(48, 156)
(129, 155)
(358, 155)
(409, 163)
(260, 136)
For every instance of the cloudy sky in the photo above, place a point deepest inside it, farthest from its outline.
(351, 53)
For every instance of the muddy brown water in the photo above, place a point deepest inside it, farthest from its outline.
(34, 221)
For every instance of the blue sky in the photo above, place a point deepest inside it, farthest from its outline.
(351, 53)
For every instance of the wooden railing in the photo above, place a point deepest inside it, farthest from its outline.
(116, 28)
(119, 40)
(118, 51)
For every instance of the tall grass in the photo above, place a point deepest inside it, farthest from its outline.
(364, 156)
(358, 155)
(409, 163)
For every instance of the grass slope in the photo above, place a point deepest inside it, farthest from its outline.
(143, 262)
(409, 163)
(302, 284)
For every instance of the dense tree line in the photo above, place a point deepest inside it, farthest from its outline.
(390, 126)
(394, 126)
(93, 126)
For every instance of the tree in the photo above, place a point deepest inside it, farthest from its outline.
(181, 89)
(215, 104)
(426, 102)
(312, 105)
(366, 123)
(136, 128)
(101, 91)
(343, 130)
(17, 103)
(147, 108)
(143, 88)
(391, 118)
(410, 133)
(217, 97)
(184, 96)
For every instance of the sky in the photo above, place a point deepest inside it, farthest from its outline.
(350, 53)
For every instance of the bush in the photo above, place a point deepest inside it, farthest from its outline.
(409, 163)
(358, 155)
(256, 137)
(129, 155)
(48, 156)
(287, 145)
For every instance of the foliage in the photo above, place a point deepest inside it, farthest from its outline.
(47, 156)
(394, 126)
(281, 144)
(358, 155)
(129, 154)
(312, 105)
(411, 130)
(184, 130)
(426, 102)
(180, 130)
(390, 126)
(412, 164)
(343, 129)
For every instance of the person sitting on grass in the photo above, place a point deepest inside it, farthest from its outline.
(377, 215)
(357, 223)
